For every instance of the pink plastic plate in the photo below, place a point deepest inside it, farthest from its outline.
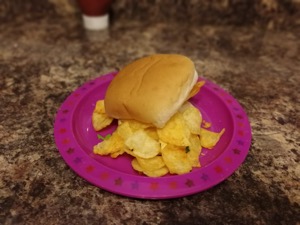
(75, 138)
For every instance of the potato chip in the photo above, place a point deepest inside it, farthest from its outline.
(194, 150)
(193, 119)
(136, 125)
(196, 89)
(152, 132)
(142, 145)
(162, 144)
(100, 121)
(130, 152)
(108, 146)
(175, 131)
(136, 166)
(209, 138)
(150, 173)
(118, 153)
(151, 164)
(185, 106)
(99, 108)
(124, 130)
(176, 159)
(157, 173)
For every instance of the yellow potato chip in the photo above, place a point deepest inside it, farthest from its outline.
(185, 106)
(209, 138)
(108, 146)
(136, 166)
(176, 159)
(150, 173)
(151, 164)
(162, 144)
(130, 152)
(196, 89)
(142, 145)
(194, 150)
(157, 173)
(193, 119)
(152, 132)
(100, 121)
(124, 130)
(99, 108)
(118, 153)
(175, 131)
(135, 125)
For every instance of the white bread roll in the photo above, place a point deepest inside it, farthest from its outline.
(151, 89)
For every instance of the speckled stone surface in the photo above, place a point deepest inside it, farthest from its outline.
(44, 58)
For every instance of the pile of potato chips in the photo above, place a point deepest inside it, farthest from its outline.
(173, 149)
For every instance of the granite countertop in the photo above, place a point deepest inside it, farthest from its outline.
(43, 59)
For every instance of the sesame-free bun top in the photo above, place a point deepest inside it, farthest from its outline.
(151, 89)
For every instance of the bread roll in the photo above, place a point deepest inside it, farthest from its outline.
(151, 89)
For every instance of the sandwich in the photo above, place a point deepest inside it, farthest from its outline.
(157, 125)
(152, 89)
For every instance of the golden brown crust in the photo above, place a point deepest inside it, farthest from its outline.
(151, 89)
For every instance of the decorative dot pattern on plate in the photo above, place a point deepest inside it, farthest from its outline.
(75, 138)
